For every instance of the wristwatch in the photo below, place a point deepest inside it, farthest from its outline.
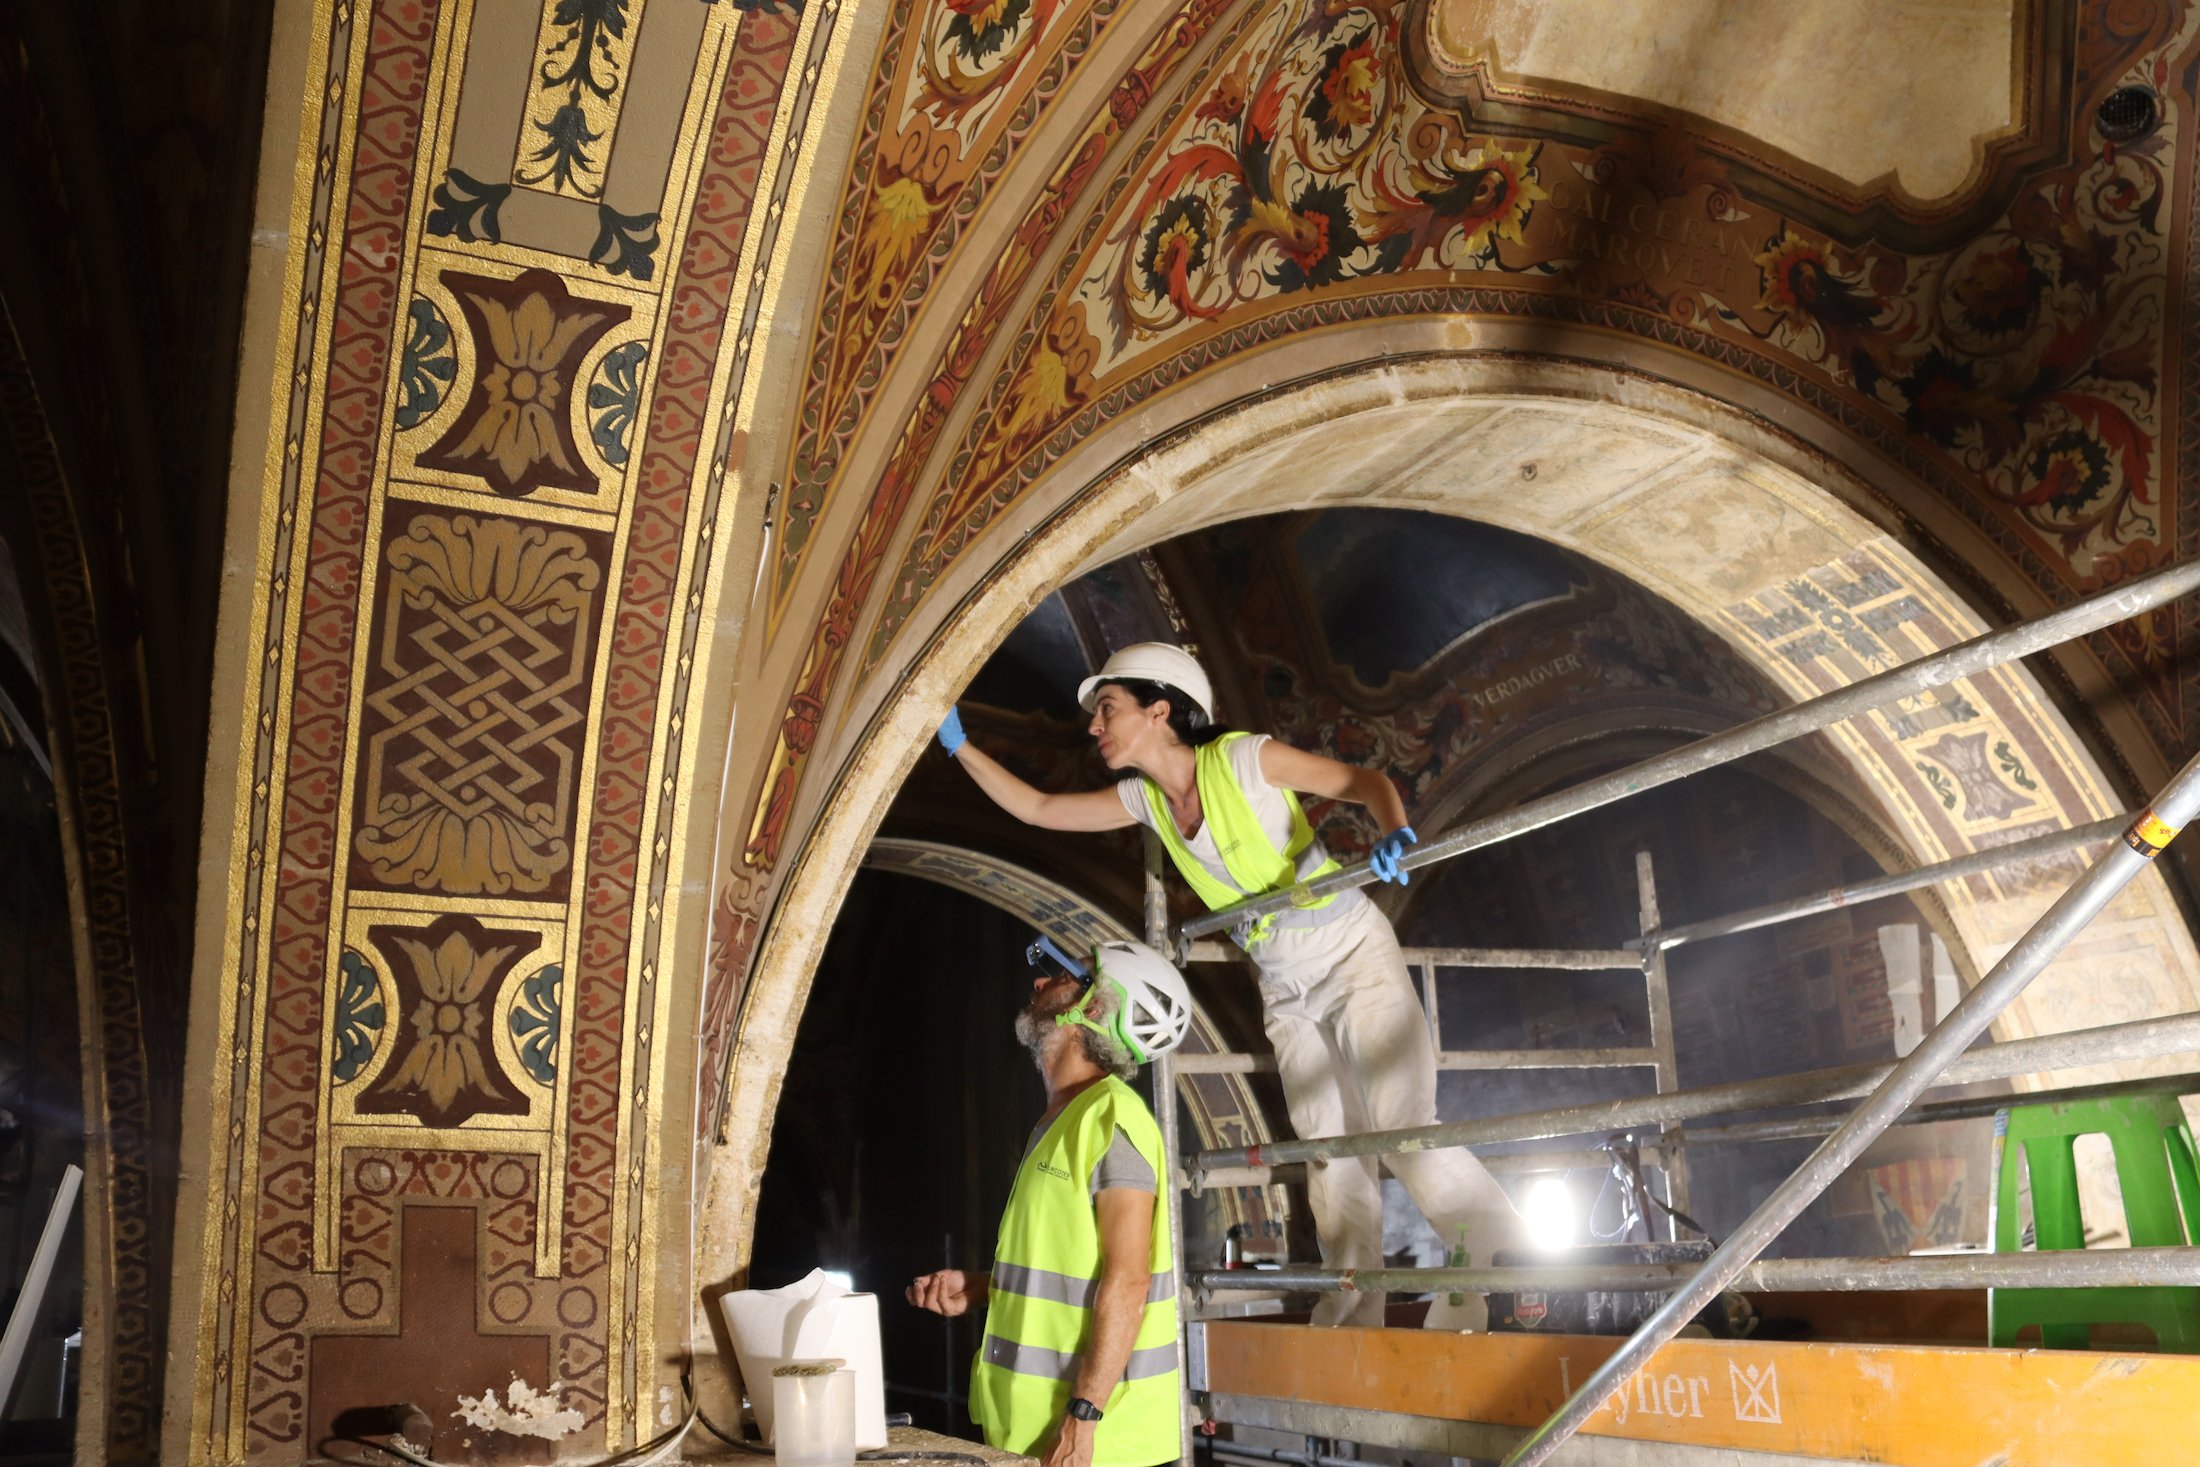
(1083, 1409)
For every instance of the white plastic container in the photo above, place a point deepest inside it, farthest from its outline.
(811, 1319)
(814, 1408)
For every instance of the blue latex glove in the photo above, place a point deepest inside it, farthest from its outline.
(1389, 852)
(951, 734)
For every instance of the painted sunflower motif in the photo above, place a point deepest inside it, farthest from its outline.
(982, 27)
(1175, 248)
(2000, 290)
(1500, 190)
(1803, 286)
(1348, 96)
(1794, 270)
(2067, 473)
(1456, 202)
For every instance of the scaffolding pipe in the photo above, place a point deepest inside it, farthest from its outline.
(2075, 1268)
(1237, 1062)
(1505, 1163)
(2149, 834)
(1795, 1128)
(1578, 960)
(1249, 1452)
(1667, 1074)
(1970, 1108)
(2141, 1039)
(1978, 863)
(1967, 659)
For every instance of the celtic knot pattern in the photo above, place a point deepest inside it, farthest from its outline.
(475, 707)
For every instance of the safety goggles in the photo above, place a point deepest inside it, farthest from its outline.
(1054, 963)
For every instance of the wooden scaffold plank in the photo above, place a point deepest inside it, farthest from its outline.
(1904, 1405)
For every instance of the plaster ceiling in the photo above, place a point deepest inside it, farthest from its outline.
(1865, 90)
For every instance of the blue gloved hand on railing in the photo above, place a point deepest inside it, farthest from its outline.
(951, 733)
(1389, 852)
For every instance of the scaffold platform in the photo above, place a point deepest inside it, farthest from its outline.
(1696, 1400)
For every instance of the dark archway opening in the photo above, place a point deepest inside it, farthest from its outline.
(1499, 668)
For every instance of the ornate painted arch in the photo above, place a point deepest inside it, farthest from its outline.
(1730, 519)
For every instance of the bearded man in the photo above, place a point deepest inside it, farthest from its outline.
(1079, 1365)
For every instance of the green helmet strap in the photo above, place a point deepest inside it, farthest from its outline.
(1114, 1029)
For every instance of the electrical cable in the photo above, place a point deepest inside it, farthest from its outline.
(695, 1404)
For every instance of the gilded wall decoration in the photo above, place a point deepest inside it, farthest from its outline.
(430, 363)
(585, 49)
(472, 728)
(360, 1015)
(451, 1226)
(736, 921)
(573, 154)
(450, 903)
(467, 209)
(530, 335)
(449, 975)
(614, 399)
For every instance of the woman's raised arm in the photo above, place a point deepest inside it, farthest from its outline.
(1085, 810)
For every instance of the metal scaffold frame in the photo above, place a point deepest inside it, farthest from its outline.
(1647, 960)
(1888, 1092)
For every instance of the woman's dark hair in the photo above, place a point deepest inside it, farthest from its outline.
(1187, 720)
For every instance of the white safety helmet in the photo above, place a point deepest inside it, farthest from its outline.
(1152, 662)
(1153, 1008)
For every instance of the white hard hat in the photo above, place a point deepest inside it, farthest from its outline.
(1153, 662)
(1153, 1007)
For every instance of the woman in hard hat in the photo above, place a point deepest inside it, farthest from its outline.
(1352, 1044)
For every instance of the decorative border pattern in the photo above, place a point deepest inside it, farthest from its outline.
(119, 1252)
(383, 97)
(851, 591)
(908, 237)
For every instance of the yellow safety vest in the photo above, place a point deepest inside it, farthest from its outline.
(1046, 1271)
(1252, 866)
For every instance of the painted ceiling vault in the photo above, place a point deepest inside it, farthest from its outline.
(664, 407)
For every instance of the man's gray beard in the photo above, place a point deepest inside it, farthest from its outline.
(1032, 1032)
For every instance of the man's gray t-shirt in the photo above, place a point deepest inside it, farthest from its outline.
(1122, 1166)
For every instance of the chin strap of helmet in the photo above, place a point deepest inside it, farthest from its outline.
(1114, 1029)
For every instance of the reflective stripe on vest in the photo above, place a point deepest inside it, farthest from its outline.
(1039, 1309)
(1061, 1365)
(1251, 864)
(1062, 1288)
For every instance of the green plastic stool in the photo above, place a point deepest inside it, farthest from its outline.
(2161, 1185)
